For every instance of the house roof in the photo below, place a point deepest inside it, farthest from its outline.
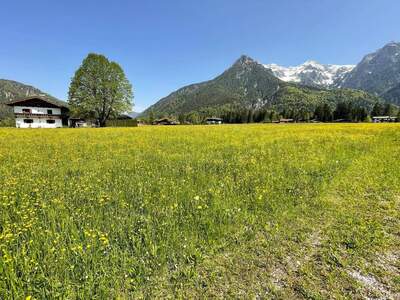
(166, 120)
(384, 117)
(125, 117)
(216, 119)
(54, 102)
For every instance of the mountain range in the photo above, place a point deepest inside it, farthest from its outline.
(311, 73)
(377, 73)
(250, 84)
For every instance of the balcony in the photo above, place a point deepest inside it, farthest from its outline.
(32, 115)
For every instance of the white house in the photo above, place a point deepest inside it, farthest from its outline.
(211, 121)
(383, 119)
(39, 112)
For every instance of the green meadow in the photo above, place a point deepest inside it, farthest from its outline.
(231, 211)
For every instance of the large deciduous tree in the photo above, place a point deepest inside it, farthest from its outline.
(100, 90)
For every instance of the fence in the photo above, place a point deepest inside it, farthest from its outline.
(122, 123)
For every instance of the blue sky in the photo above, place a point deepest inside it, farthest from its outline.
(163, 45)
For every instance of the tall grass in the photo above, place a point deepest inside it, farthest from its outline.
(198, 211)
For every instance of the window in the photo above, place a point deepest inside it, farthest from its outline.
(29, 121)
(26, 110)
(49, 111)
(51, 121)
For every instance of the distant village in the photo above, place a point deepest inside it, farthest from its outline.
(40, 112)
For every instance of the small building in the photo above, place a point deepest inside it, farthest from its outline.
(77, 123)
(286, 121)
(125, 117)
(212, 121)
(342, 121)
(165, 121)
(384, 119)
(39, 112)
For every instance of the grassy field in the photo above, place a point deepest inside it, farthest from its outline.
(235, 211)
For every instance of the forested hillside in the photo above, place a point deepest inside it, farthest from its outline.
(248, 85)
(11, 90)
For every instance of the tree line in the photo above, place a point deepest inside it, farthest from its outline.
(348, 111)
(345, 111)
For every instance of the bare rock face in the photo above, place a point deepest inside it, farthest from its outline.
(377, 73)
(311, 73)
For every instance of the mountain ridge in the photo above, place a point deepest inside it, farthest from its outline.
(248, 84)
(232, 87)
(12, 90)
(311, 73)
(377, 72)
(263, 87)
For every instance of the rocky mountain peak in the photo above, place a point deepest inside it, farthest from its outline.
(377, 72)
(245, 60)
(311, 73)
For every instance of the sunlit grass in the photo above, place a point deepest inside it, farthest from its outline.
(200, 211)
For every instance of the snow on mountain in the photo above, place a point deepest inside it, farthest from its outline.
(311, 73)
